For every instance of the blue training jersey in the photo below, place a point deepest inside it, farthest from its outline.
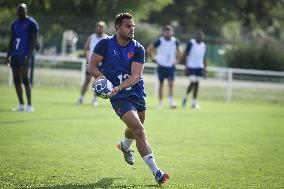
(117, 62)
(21, 30)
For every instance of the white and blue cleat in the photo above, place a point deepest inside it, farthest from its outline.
(128, 154)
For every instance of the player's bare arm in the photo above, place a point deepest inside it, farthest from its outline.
(150, 51)
(178, 56)
(33, 37)
(86, 47)
(205, 68)
(92, 66)
(183, 57)
(136, 72)
(7, 61)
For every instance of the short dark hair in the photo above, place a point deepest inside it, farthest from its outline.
(119, 18)
(22, 6)
(168, 27)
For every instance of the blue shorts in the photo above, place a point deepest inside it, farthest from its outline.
(195, 72)
(17, 62)
(166, 73)
(123, 105)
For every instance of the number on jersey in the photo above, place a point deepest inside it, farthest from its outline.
(18, 40)
(122, 78)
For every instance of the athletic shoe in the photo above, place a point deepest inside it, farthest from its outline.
(173, 105)
(184, 102)
(19, 108)
(29, 108)
(128, 156)
(161, 177)
(160, 106)
(195, 106)
(95, 103)
(79, 101)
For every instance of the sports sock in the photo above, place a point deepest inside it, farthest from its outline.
(81, 98)
(127, 143)
(160, 103)
(171, 100)
(193, 102)
(150, 161)
(185, 96)
(95, 99)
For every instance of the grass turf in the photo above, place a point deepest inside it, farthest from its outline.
(63, 145)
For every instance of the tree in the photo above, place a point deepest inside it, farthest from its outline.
(54, 16)
(265, 16)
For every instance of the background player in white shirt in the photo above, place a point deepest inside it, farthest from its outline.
(89, 46)
(195, 54)
(167, 56)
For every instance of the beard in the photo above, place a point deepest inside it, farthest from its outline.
(131, 36)
(126, 36)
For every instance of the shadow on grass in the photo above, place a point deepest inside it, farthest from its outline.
(103, 183)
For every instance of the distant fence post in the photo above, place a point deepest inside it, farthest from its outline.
(83, 71)
(10, 79)
(156, 84)
(230, 85)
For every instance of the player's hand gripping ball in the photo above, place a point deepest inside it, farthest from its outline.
(102, 88)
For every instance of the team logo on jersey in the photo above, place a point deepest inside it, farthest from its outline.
(130, 54)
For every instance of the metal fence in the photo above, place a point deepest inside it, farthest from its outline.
(230, 77)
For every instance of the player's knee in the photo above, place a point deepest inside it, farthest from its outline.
(17, 80)
(26, 80)
(139, 132)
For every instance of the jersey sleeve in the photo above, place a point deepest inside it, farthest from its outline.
(177, 43)
(12, 29)
(101, 48)
(188, 47)
(139, 55)
(157, 43)
(34, 27)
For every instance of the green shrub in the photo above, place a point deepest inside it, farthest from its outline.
(146, 33)
(256, 55)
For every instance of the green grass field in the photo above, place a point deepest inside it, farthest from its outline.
(63, 145)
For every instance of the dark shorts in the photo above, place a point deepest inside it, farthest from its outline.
(123, 105)
(166, 73)
(17, 62)
(195, 72)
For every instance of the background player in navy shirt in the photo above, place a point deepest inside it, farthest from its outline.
(122, 60)
(21, 46)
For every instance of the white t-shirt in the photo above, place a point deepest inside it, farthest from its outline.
(94, 39)
(166, 51)
(195, 54)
